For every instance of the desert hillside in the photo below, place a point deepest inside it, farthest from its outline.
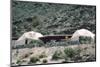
(50, 18)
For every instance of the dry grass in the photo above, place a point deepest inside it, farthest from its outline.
(84, 53)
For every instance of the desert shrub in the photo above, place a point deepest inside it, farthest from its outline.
(77, 57)
(51, 43)
(42, 55)
(85, 40)
(78, 50)
(18, 62)
(70, 52)
(44, 61)
(38, 43)
(72, 55)
(35, 21)
(57, 55)
(34, 59)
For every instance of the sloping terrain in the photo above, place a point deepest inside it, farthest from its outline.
(51, 18)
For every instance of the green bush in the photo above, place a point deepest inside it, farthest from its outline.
(57, 55)
(34, 59)
(18, 62)
(44, 61)
(70, 52)
(78, 50)
(35, 43)
(85, 40)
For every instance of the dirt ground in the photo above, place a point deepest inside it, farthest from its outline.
(22, 56)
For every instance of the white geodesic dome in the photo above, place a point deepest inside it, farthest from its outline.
(82, 32)
(31, 35)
